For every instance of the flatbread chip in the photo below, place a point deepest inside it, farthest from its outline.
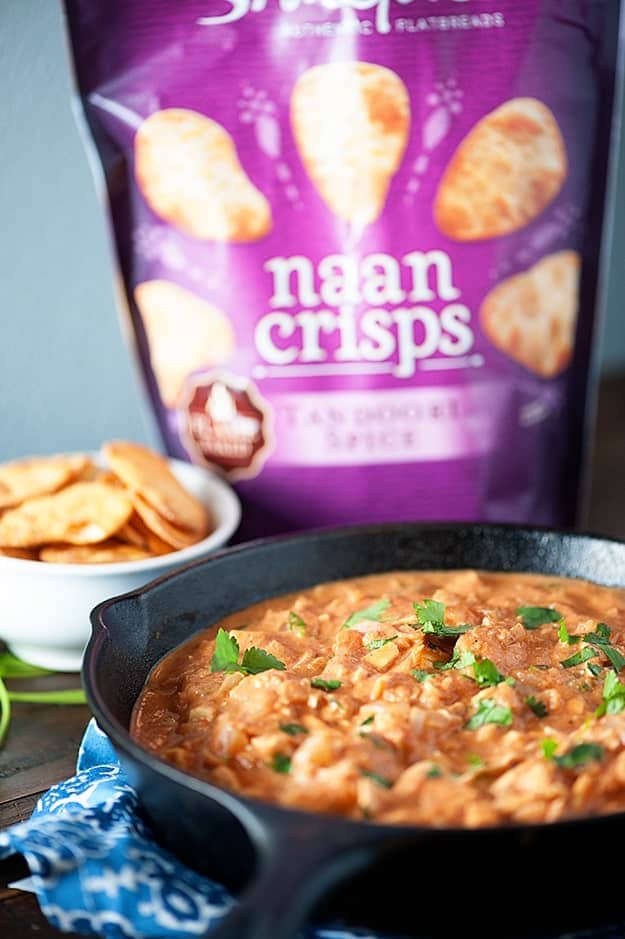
(24, 554)
(104, 552)
(39, 476)
(351, 122)
(147, 474)
(82, 513)
(188, 170)
(136, 532)
(532, 316)
(168, 532)
(508, 168)
(184, 333)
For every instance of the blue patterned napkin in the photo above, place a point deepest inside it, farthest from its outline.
(96, 870)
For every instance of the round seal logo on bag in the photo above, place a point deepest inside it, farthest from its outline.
(227, 424)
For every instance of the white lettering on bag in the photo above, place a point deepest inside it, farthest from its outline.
(403, 321)
(240, 8)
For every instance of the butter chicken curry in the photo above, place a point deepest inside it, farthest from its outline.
(454, 698)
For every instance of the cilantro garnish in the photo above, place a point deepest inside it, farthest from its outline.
(296, 624)
(430, 612)
(579, 755)
(368, 720)
(486, 674)
(534, 616)
(564, 635)
(378, 643)
(226, 655)
(293, 729)
(475, 761)
(613, 695)
(281, 763)
(257, 660)
(373, 612)
(380, 780)
(548, 747)
(489, 712)
(538, 707)
(600, 636)
(330, 685)
(226, 652)
(434, 772)
(431, 619)
(420, 674)
(458, 660)
(601, 639)
(579, 658)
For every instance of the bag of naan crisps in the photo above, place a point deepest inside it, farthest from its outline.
(360, 242)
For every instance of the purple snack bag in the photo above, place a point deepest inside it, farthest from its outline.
(360, 241)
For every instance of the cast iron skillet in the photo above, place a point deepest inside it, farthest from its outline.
(526, 880)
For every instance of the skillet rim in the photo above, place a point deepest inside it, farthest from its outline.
(248, 810)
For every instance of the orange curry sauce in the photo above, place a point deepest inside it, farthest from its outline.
(423, 697)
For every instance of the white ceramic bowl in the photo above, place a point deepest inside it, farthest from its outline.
(45, 607)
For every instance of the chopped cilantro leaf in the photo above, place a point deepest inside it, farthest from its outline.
(601, 639)
(538, 707)
(380, 780)
(296, 624)
(434, 772)
(534, 616)
(378, 643)
(579, 755)
(281, 763)
(600, 636)
(293, 729)
(489, 712)
(254, 661)
(373, 612)
(549, 747)
(613, 695)
(430, 611)
(420, 674)
(437, 629)
(458, 660)
(226, 652)
(579, 658)
(330, 685)
(368, 720)
(614, 656)
(564, 635)
(474, 760)
(431, 619)
(486, 674)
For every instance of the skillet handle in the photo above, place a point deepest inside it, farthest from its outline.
(298, 863)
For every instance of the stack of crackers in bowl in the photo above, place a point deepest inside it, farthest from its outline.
(72, 509)
(96, 525)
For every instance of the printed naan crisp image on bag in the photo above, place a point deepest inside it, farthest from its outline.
(360, 244)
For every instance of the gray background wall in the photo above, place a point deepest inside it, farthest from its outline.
(67, 379)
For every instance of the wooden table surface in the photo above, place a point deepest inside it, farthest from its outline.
(43, 740)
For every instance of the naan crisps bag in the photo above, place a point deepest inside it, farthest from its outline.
(360, 243)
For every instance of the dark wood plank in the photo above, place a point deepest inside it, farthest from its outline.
(21, 918)
(42, 742)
